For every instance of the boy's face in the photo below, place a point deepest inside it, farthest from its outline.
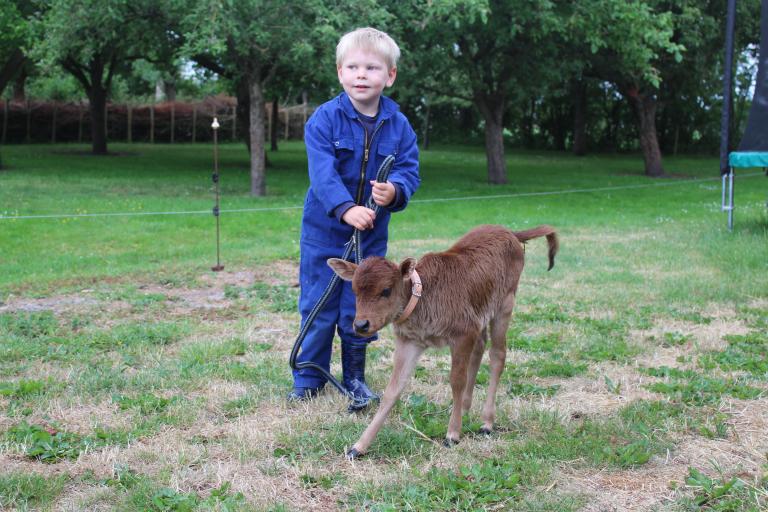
(364, 75)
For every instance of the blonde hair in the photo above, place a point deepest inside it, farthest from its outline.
(369, 39)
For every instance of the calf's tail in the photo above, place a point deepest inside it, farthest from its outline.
(538, 231)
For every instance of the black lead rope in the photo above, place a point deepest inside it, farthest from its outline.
(353, 246)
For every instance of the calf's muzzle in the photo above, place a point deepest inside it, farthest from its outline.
(361, 326)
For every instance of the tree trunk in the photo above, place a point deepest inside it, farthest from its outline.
(11, 67)
(493, 113)
(579, 97)
(273, 124)
(256, 100)
(97, 97)
(645, 108)
(20, 85)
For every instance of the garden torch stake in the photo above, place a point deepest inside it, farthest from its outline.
(215, 125)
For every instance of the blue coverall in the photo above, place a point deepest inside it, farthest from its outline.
(339, 151)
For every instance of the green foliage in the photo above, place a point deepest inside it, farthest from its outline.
(724, 493)
(323, 481)
(745, 353)
(47, 444)
(239, 406)
(22, 388)
(278, 298)
(529, 389)
(28, 325)
(146, 403)
(471, 487)
(552, 368)
(23, 491)
(690, 387)
(123, 477)
(543, 343)
(675, 339)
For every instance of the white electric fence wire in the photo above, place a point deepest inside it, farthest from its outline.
(419, 201)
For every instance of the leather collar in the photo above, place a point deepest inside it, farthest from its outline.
(415, 296)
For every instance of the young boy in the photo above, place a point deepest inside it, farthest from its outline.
(347, 139)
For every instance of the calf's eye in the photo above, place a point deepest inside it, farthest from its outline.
(385, 292)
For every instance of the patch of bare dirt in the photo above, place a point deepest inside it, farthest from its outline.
(60, 304)
(180, 300)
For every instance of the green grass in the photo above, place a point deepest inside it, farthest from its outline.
(104, 356)
(23, 491)
(48, 180)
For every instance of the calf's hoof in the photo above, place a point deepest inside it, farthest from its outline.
(485, 431)
(450, 443)
(353, 454)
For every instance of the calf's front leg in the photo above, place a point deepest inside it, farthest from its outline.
(405, 358)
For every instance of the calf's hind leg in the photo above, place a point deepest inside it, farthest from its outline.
(461, 351)
(498, 355)
(474, 365)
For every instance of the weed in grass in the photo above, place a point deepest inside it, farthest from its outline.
(690, 316)
(547, 313)
(277, 298)
(46, 444)
(28, 325)
(608, 349)
(553, 368)
(146, 403)
(597, 442)
(169, 500)
(233, 292)
(392, 442)
(426, 416)
(323, 481)
(211, 354)
(675, 339)
(222, 498)
(422, 374)
(139, 335)
(22, 388)
(268, 374)
(491, 484)
(724, 493)
(670, 416)
(612, 386)
(689, 387)
(756, 318)
(239, 406)
(544, 343)
(528, 389)
(123, 477)
(261, 347)
(24, 491)
(745, 353)
(606, 340)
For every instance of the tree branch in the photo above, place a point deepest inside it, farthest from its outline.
(77, 70)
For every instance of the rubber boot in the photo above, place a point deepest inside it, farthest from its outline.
(300, 394)
(353, 372)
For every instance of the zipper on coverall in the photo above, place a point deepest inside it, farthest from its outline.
(367, 147)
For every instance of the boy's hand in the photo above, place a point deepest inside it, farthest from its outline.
(359, 217)
(383, 193)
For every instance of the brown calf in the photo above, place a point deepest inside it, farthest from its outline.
(468, 291)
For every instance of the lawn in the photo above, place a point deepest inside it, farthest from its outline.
(134, 378)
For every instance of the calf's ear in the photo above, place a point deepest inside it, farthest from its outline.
(345, 269)
(407, 266)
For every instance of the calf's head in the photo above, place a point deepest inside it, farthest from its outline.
(380, 290)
